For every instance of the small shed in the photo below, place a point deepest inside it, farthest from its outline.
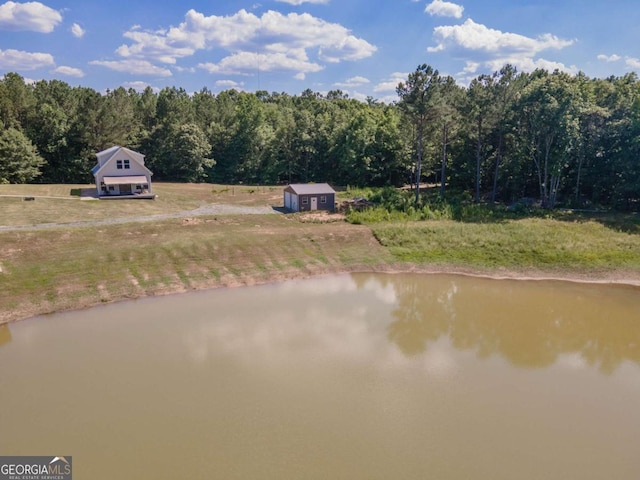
(305, 197)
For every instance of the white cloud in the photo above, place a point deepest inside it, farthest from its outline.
(390, 84)
(32, 16)
(77, 31)
(19, 60)
(284, 42)
(632, 62)
(69, 71)
(609, 58)
(140, 86)
(474, 36)
(493, 48)
(352, 82)
(134, 67)
(245, 63)
(471, 67)
(526, 64)
(300, 2)
(444, 9)
(229, 84)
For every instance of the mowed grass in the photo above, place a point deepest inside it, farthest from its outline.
(62, 203)
(49, 270)
(534, 243)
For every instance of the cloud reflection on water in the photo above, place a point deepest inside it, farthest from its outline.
(385, 321)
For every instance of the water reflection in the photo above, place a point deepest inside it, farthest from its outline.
(530, 324)
(354, 376)
(5, 335)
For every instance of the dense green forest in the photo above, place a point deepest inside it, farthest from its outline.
(554, 138)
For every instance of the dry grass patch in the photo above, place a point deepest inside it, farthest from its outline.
(61, 204)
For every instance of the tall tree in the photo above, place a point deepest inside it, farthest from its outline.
(449, 101)
(549, 106)
(19, 159)
(505, 93)
(417, 97)
(481, 112)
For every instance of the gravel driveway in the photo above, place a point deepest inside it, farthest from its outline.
(212, 209)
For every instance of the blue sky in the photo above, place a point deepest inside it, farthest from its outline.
(362, 47)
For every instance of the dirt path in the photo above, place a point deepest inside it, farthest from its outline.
(211, 209)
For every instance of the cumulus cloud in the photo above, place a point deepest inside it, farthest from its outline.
(140, 86)
(609, 58)
(77, 31)
(285, 42)
(526, 64)
(245, 63)
(19, 60)
(390, 84)
(471, 67)
(492, 49)
(300, 2)
(632, 62)
(32, 16)
(441, 8)
(69, 71)
(352, 82)
(228, 84)
(135, 67)
(475, 36)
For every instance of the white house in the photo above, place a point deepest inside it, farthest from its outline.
(121, 172)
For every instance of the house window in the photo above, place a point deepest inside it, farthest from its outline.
(305, 200)
(323, 199)
(119, 164)
(111, 188)
(126, 165)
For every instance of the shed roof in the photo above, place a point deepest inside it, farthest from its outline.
(310, 188)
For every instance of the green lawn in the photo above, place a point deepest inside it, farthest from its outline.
(549, 244)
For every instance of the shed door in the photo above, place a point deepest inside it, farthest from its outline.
(314, 203)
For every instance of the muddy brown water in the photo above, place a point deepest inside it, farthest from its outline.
(344, 377)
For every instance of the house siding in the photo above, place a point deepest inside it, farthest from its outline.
(109, 168)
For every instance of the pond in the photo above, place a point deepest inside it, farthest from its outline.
(354, 376)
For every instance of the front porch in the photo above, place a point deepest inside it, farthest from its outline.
(135, 196)
(133, 186)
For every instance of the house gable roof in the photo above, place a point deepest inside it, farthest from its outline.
(310, 189)
(106, 156)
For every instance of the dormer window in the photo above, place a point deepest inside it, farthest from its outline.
(120, 164)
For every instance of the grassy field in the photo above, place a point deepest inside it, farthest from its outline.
(72, 267)
(551, 245)
(62, 203)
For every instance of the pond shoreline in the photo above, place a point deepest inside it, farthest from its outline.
(615, 277)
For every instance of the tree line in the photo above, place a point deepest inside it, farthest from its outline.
(550, 137)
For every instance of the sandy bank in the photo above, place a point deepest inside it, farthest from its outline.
(618, 277)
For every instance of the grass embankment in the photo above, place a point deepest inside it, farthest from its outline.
(483, 238)
(49, 270)
(552, 246)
